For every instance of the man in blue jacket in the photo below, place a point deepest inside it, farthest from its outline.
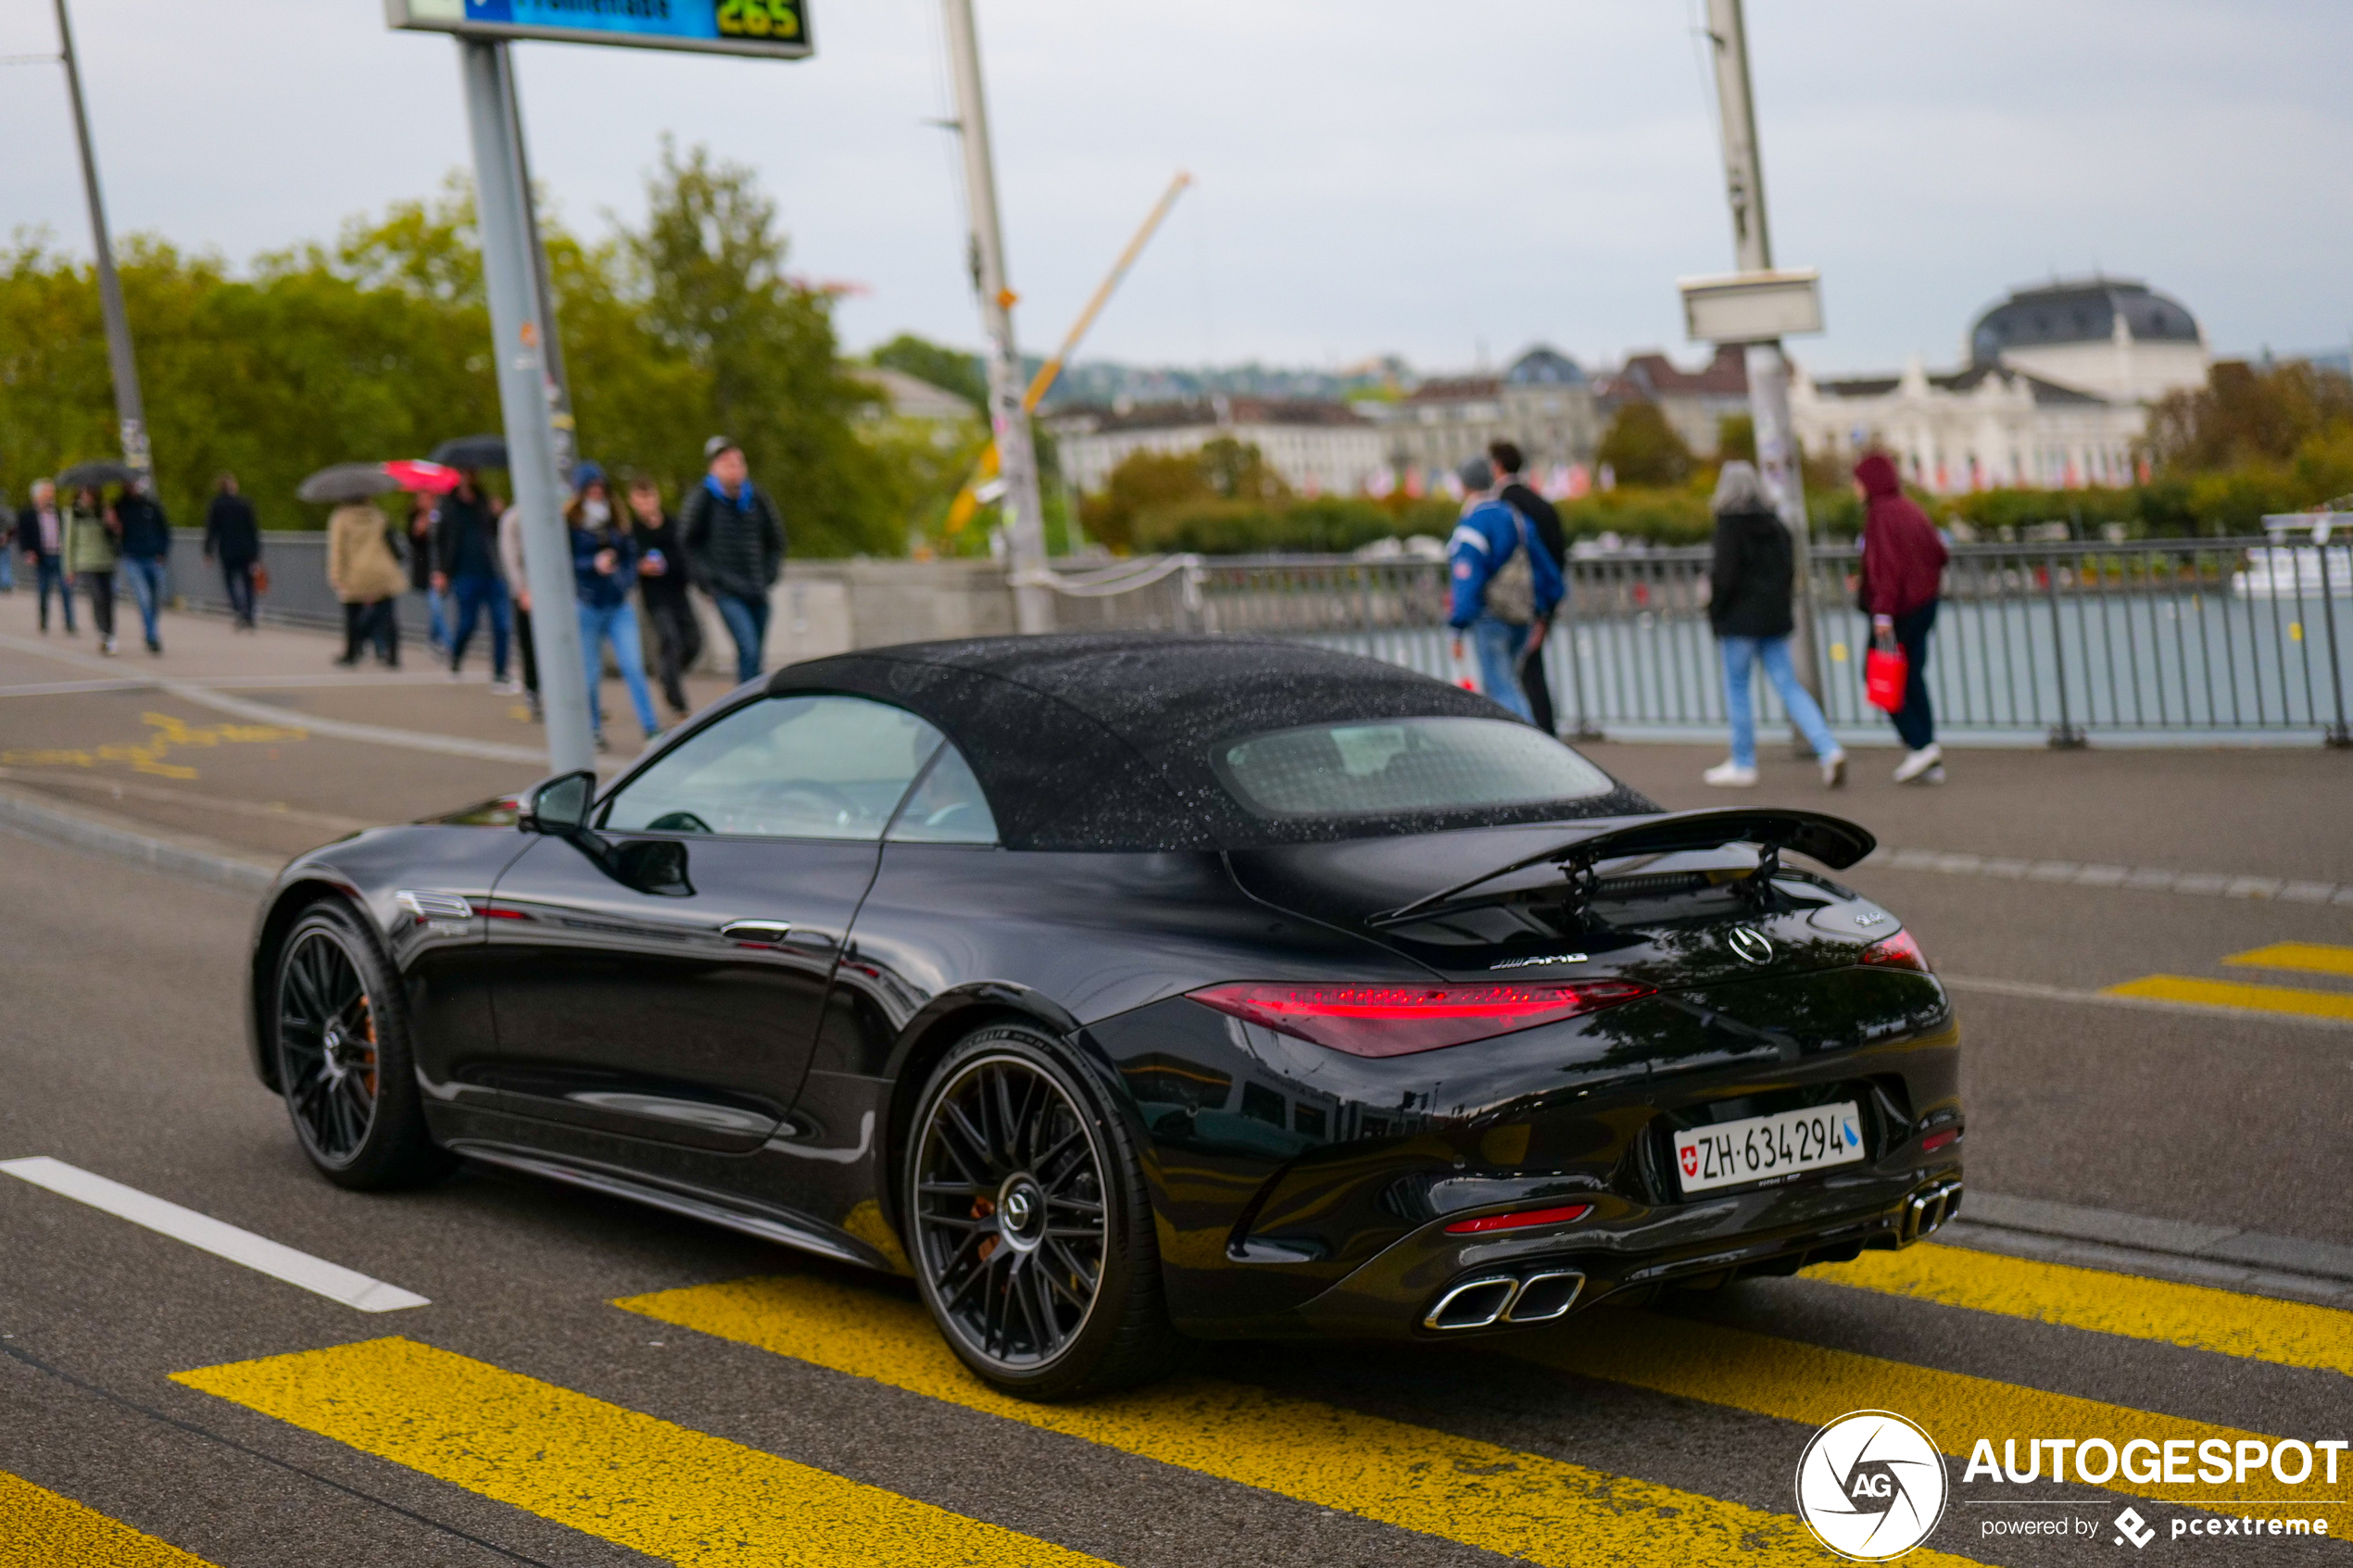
(1504, 586)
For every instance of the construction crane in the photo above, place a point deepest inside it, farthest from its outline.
(968, 499)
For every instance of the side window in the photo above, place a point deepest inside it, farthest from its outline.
(947, 807)
(788, 767)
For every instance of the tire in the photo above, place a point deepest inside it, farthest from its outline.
(1009, 1151)
(340, 1030)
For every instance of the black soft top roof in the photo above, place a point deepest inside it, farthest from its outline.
(1103, 741)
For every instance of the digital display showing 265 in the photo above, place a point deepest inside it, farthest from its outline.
(733, 27)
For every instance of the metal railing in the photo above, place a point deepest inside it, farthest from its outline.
(2220, 639)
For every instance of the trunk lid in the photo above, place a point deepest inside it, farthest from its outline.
(1676, 901)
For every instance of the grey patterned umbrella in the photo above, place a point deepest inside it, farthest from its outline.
(346, 481)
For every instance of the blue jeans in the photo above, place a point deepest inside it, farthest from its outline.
(48, 574)
(747, 620)
(1741, 655)
(146, 586)
(1498, 644)
(618, 625)
(437, 603)
(8, 566)
(475, 594)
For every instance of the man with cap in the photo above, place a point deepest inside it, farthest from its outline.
(1505, 585)
(735, 547)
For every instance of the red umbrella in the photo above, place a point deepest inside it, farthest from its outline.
(417, 474)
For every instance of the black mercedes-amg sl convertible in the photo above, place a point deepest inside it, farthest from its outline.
(1118, 986)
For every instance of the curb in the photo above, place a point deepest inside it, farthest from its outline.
(49, 824)
(2222, 1256)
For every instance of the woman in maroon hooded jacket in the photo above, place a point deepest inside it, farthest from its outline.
(1903, 562)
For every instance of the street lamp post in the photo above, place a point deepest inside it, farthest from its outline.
(129, 409)
(1009, 420)
(1777, 452)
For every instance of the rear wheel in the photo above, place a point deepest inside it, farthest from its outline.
(344, 1062)
(1031, 1229)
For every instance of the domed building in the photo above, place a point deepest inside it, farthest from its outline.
(2055, 391)
(2114, 337)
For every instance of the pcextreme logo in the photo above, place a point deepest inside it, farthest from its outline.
(1871, 1485)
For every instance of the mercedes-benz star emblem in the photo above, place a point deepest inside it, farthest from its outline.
(1750, 944)
(1017, 1209)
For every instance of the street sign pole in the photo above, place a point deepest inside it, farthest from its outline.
(1777, 454)
(551, 337)
(518, 337)
(130, 409)
(1009, 420)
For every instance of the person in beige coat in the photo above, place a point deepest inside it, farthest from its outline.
(367, 576)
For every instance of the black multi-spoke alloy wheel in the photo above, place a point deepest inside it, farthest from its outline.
(1032, 1234)
(344, 1064)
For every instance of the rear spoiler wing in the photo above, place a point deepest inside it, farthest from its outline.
(1833, 841)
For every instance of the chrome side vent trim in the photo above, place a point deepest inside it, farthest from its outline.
(428, 905)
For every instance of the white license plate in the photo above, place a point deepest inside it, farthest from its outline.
(1760, 1147)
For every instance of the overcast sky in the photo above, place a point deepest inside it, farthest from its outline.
(1439, 181)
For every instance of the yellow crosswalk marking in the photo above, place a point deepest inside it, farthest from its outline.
(2317, 957)
(2196, 1316)
(40, 1529)
(615, 1474)
(2236, 994)
(1811, 1385)
(1480, 1494)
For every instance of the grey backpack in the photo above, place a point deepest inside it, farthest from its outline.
(1511, 592)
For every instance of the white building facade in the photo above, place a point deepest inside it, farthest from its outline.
(2056, 394)
(1318, 448)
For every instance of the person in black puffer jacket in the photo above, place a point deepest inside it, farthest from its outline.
(734, 548)
(1748, 608)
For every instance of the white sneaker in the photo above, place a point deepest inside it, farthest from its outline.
(106, 646)
(1834, 771)
(1918, 762)
(1729, 774)
(507, 688)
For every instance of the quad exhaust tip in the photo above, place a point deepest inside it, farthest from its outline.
(1926, 1211)
(1481, 1303)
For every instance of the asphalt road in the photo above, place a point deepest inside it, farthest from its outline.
(812, 1418)
(591, 1382)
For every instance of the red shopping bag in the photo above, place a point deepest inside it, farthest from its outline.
(1885, 672)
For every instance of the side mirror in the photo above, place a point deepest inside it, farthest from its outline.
(559, 806)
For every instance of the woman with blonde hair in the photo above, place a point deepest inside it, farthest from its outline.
(1748, 608)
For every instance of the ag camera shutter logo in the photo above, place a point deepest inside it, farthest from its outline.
(1871, 1485)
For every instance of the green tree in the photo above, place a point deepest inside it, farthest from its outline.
(950, 370)
(706, 281)
(1640, 447)
(1143, 482)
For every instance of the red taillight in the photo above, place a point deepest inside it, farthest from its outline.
(1401, 1020)
(1898, 951)
(501, 912)
(1521, 1220)
(1945, 1140)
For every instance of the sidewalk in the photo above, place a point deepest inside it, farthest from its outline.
(253, 745)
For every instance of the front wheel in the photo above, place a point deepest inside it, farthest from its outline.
(1031, 1232)
(344, 1063)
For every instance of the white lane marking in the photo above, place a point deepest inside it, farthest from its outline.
(218, 1237)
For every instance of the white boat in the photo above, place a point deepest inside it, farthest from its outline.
(2292, 569)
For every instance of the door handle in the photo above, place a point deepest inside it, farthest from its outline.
(757, 933)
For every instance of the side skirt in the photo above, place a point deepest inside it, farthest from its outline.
(806, 1236)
